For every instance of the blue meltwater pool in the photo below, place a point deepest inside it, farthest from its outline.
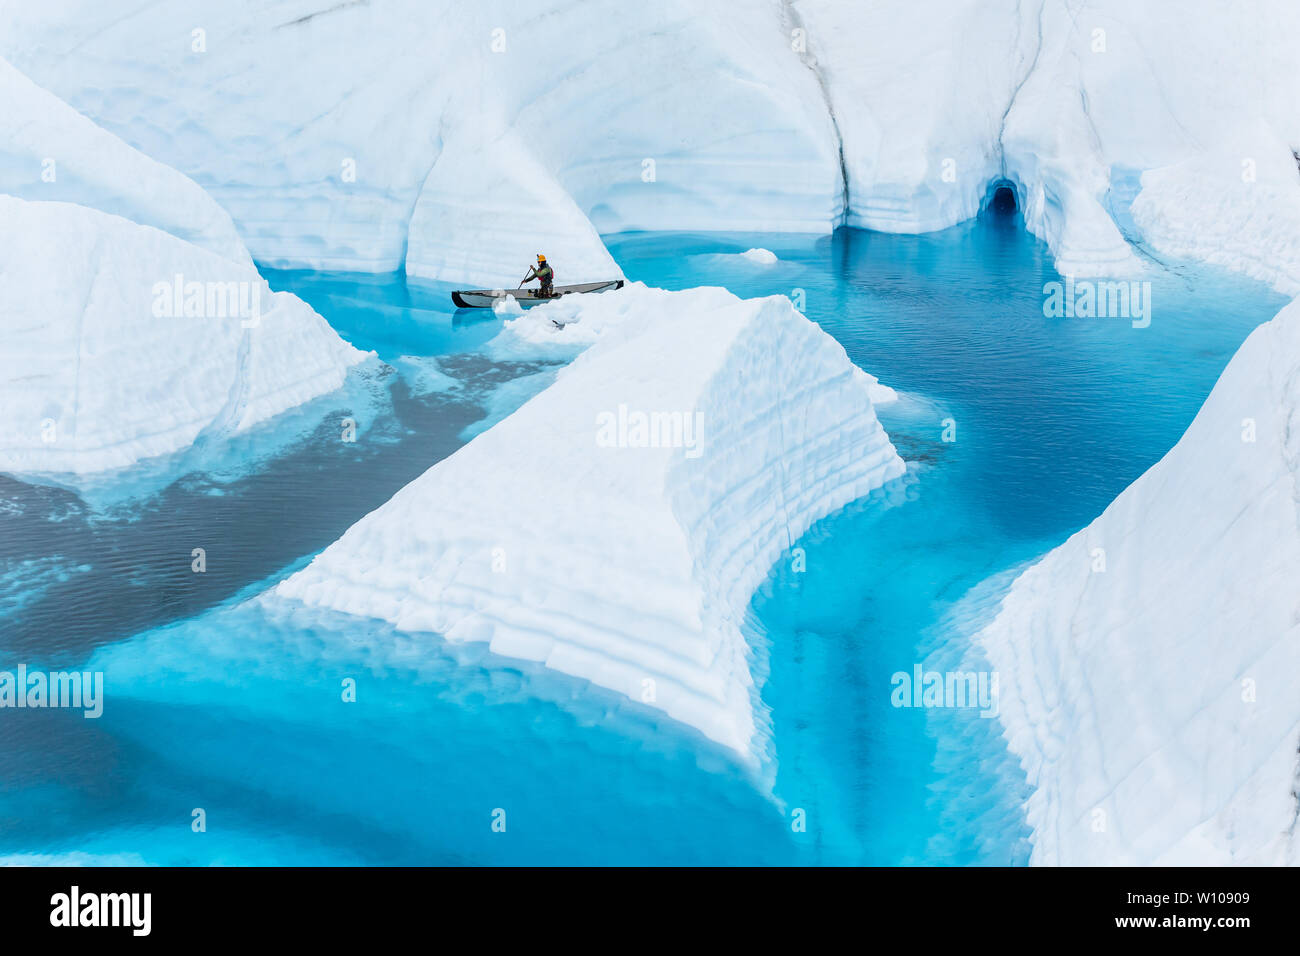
(223, 739)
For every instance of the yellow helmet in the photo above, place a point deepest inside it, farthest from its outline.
(540, 257)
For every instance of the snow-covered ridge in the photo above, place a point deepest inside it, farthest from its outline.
(122, 343)
(616, 526)
(49, 151)
(1149, 666)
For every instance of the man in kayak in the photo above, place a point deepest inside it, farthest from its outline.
(545, 274)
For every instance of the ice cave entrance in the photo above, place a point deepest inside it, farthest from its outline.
(1001, 198)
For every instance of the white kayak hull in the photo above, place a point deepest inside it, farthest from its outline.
(486, 298)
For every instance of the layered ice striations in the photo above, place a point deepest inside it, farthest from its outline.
(49, 151)
(450, 138)
(1237, 206)
(454, 140)
(1149, 665)
(122, 343)
(561, 535)
(936, 99)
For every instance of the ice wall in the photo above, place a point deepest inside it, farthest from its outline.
(340, 134)
(918, 90)
(122, 342)
(937, 98)
(458, 140)
(564, 535)
(517, 202)
(49, 151)
(1149, 666)
(1236, 205)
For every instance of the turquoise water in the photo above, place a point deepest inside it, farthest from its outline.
(222, 699)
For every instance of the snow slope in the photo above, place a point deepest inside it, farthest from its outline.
(557, 538)
(49, 151)
(1153, 704)
(93, 377)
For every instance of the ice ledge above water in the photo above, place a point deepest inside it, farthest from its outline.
(562, 535)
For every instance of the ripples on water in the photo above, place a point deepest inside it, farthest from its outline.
(223, 699)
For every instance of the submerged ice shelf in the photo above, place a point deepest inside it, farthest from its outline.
(576, 534)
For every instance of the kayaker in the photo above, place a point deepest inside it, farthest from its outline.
(545, 274)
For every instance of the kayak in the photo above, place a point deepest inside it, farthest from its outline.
(486, 298)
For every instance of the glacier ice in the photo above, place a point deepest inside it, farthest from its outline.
(49, 151)
(1149, 665)
(515, 201)
(560, 536)
(93, 378)
(483, 137)
(916, 87)
(111, 355)
(454, 142)
(936, 99)
(400, 119)
(1236, 205)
